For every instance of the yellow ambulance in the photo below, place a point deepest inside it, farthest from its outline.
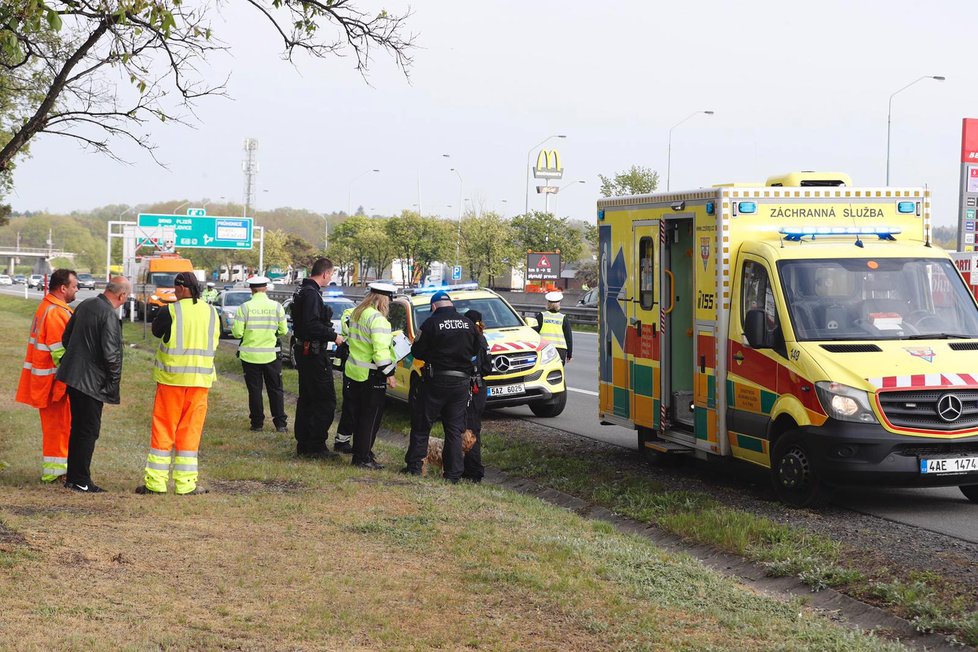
(528, 369)
(804, 325)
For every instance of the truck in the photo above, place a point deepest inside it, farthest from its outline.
(153, 286)
(802, 325)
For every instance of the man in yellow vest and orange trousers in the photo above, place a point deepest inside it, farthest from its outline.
(555, 328)
(189, 330)
(38, 386)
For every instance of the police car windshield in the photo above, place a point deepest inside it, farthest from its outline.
(877, 298)
(236, 298)
(495, 312)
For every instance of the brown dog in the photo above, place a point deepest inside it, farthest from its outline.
(436, 447)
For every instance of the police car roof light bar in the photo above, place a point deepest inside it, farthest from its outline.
(796, 233)
(445, 288)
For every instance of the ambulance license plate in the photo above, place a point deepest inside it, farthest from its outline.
(944, 465)
(506, 390)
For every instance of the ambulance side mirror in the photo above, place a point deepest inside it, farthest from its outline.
(531, 322)
(755, 328)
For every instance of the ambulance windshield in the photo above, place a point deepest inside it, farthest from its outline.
(877, 298)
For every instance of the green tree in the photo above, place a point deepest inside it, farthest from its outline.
(489, 245)
(62, 62)
(349, 246)
(636, 180)
(419, 241)
(539, 231)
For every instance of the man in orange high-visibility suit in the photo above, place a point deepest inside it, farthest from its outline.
(38, 386)
(189, 330)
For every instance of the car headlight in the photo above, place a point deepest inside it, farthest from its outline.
(845, 403)
(548, 354)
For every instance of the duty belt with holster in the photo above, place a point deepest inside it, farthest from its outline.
(310, 347)
(428, 371)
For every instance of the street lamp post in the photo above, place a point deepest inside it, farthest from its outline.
(349, 194)
(889, 111)
(566, 185)
(526, 208)
(669, 155)
(461, 205)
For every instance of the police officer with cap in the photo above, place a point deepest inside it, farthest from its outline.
(313, 329)
(369, 370)
(446, 343)
(555, 328)
(210, 294)
(258, 323)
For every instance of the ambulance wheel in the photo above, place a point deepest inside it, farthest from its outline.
(795, 480)
(970, 492)
(551, 408)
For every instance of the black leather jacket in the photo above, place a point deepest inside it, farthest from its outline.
(92, 362)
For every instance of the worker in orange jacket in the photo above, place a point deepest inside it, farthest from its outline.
(38, 386)
(189, 330)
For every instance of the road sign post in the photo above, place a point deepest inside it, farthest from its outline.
(457, 273)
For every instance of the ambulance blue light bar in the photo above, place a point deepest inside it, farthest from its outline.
(798, 232)
(445, 288)
(907, 207)
(747, 207)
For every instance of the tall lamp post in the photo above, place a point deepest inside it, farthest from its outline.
(669, 155)
(529, 173)
(566, 185)
(349, 194)
(461, 205)
(889, 111)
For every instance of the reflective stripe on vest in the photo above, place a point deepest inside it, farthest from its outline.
(552, 329)
(188, 361)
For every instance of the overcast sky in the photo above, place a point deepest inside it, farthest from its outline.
(794, 86)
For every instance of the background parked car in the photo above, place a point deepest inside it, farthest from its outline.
(86, 281)
(589, 299)
(35, 281)
(227, 304)
(6, 280)
(20, 278)
(336, 302)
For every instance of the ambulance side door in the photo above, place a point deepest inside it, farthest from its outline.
(642, 336)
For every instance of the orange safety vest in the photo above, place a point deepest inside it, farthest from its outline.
(38, 386)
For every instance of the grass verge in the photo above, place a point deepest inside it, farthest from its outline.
(290, 554)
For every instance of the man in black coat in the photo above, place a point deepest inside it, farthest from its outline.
(92, 369)
(312, 327)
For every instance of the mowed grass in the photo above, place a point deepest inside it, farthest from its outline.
(296, 555)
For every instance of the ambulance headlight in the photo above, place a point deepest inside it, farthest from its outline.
(845, 403)
(548, 354)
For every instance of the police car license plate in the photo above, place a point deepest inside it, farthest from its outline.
(506, 390)
(949, 465)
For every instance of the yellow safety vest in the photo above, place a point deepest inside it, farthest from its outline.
(552, 329)
(257, 323)
(187, 359)
(370, 345)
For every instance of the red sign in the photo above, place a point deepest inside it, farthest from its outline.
(969, 140)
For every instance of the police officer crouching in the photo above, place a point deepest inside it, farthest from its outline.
(258, 323)
(369, 370)
(447, 343)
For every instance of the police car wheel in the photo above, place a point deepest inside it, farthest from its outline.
(551, 408)
(795, 480)
(970, 492)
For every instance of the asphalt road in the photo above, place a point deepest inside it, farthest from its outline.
(941, 510)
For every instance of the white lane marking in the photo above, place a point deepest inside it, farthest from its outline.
(582, 391)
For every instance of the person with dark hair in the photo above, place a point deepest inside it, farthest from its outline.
(184, 372)
(38, 386)
(312, 326)
(92, 370)
(481, 367)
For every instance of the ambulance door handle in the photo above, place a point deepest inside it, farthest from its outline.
(672, 292)
(702, 364)
(738, 356)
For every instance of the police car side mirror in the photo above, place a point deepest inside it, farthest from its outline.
(755, 329)
(532, 322)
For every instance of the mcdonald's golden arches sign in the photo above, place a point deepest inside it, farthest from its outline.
(548, 165)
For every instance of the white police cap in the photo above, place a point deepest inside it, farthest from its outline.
(258, 281)
(383, 288)
(554, 297)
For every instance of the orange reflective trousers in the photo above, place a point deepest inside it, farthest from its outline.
(178, 421)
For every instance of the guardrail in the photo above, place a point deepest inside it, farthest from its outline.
(577, 314)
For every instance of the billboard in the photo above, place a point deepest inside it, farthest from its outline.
(542, 266)
(968, 193)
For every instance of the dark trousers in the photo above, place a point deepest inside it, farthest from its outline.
(86, 422)
(473, 467)
(316, 404)
(367, 400)
(445, 398)
(268, 374)
(344, 431)
(563, 355)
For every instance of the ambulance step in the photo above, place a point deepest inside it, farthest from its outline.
(668, 447)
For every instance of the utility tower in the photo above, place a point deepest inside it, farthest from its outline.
(250, 168)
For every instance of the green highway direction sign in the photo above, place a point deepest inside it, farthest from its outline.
(197, 230)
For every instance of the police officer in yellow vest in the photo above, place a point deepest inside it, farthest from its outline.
(555, 328)
(369, 370)
(258, 323)
(189, 330)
